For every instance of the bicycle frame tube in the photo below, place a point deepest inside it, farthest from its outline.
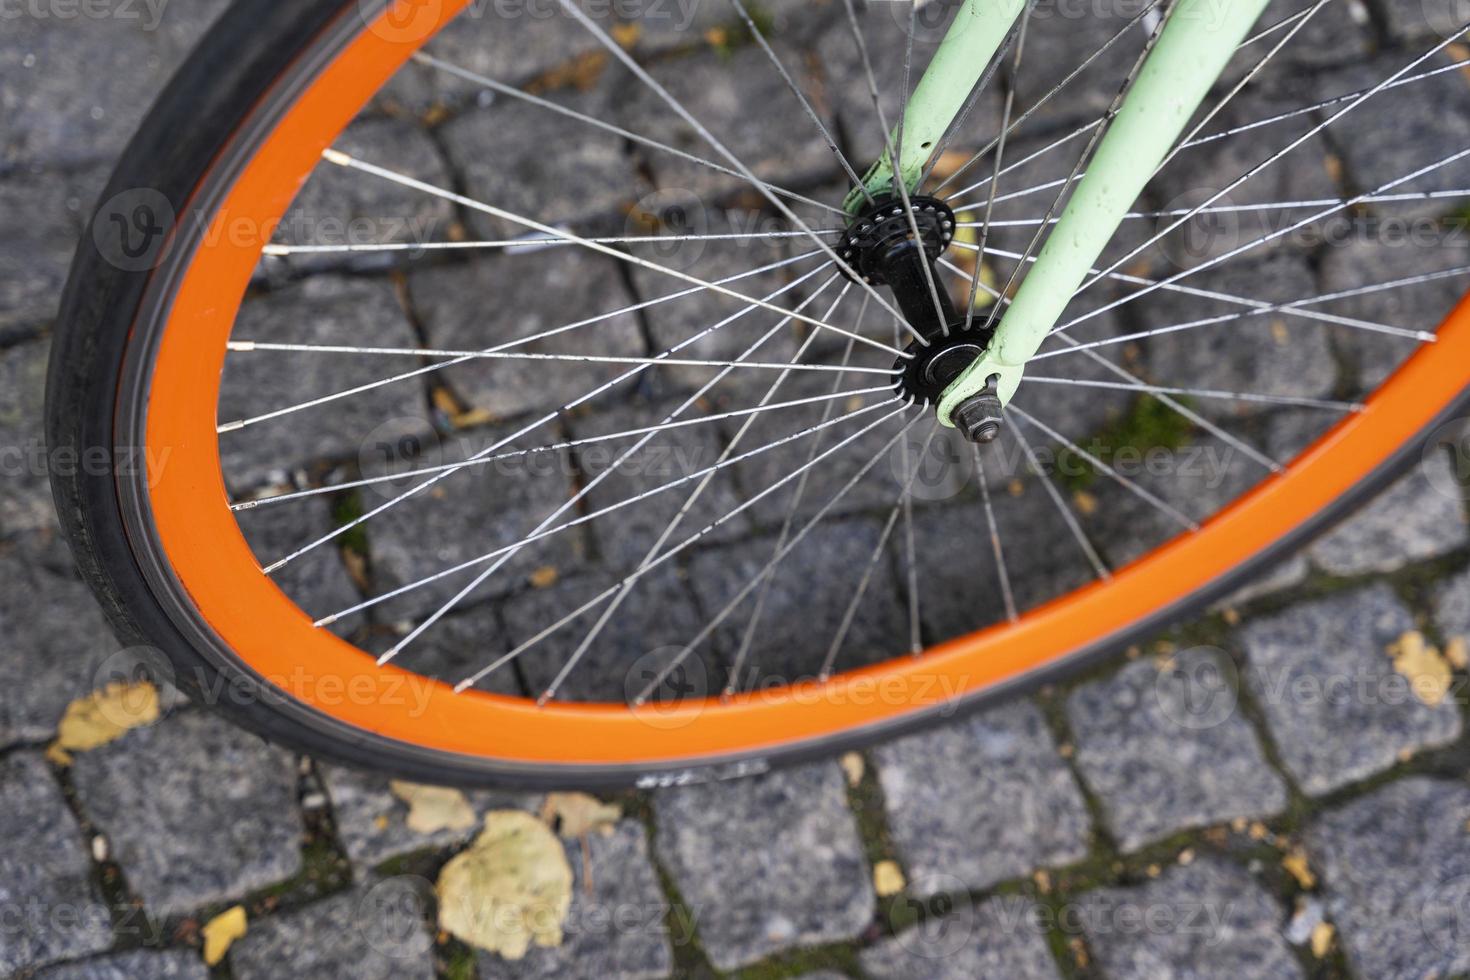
(1192, 51)
(974, 36)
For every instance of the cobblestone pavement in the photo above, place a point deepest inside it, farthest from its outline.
(1310, 818)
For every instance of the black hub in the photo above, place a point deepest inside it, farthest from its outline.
(881, 248)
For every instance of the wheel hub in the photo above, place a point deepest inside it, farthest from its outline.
(880, 246)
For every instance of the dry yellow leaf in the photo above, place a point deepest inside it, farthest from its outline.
(433, 808)
(627, 35)
(1457, 652)
(717, 37)
(1322, 934)
(1428, 672)
(1015, 488)
(1280, 333)
(510, 888)
(221, 932)
(1296, 865)
(577, 814)
(544, 577)
(1086, 502)
(1186, 856)
(853, 766)
(887, 879)
(102, 716)
(1043, 881)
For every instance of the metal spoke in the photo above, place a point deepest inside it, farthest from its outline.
(343, 159)
(639, 72)
(1237, 396)
(558, 446)
(1068, 518)
(677, 549)
(750, 586)
(515, 93)
(806, 104)
(1008, 594)
(1119, 478)
(534, 243)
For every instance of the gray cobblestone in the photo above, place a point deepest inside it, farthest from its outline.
(590, 175)
(1426, 21)
(25, 504)
(197, 810)
(175, 964)
(45, 219)
(318, 581)
(999, 938)
(531, 294)
(1208, 919)
(1411, 521)
(1452, 607)
(995, 778)
(54, 910)
(1336, 710)
(766, 864)
(460, 644)
(615, 926)
(329, 310)
(1396, 869)
(798, 624)
(501, 503)
(1162, 757)
(648, 630)
(370, 819)
(371, 933)
(55, 639)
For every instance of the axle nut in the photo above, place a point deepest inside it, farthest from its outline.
(979, 417)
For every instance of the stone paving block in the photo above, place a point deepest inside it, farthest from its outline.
(1386, 257)
(1429, 21)
(25, 504)
(959, 586)
(1165, 748)
(54, 911)
(45, 218)
(197, 811)
(510, 42)
(1278, 578)
(1415, 519)
(648, 630)
(500, 155)
(717, 89)
(995, 778)
(1396, 868)
(55, 640)
(1202, 175)
(318, 581)
(1207, 919)
(347, 207)
(478, 510)
(1334, 705)
(724, 329)
(326, 310)
(766, 864)
(1265, 355)
(799, 622)
(175, 964)
(533, 293)
(667, 457)
(1452, 607)
(999, 938)
(370, 818)
(1337, 34)
(1399, 131)
(615, 926)
(370, 933)
(455, 647)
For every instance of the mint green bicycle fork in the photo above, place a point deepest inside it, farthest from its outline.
(1194, 45)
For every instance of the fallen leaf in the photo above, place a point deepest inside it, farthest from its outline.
(544, 577)
(1016, 488)
(512, 887)
(1280, 333)
(887, 879)
(102, 716)
(1043, 881)
(433, 808)
(853, 766)
(717, 37)
(1427, 671)
(1186, 856)
(1232, 616)
(1079, 952)
(1086, 502)
(1322, 935)
(627, 35)
(221, 932)
(1296, 865)
(1457, 652)
(577, 814)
